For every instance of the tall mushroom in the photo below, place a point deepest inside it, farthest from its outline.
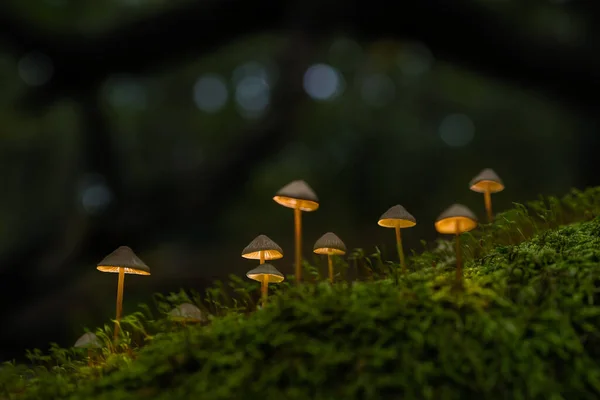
(299, 196)
(262, 248)
(397, 217)
(487, 182)
(330, 244)
(88, 341)
(122, 261)
(455, 220)
(265, 274)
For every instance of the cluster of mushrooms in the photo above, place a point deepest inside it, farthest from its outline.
(299, 196)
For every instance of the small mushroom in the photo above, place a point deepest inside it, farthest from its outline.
(88, 341)
(122, 261)
(299, 196)
(455, 220)
(265, 274)
(397, 217)
(487, 182)
(262, 248)
(331, 245)
(187, 312)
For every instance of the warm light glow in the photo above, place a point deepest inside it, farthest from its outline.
(329, 251)
(271, 278)
(109, 268)
(393, 222)
(487, 186)
(454, 225)
(290, 202)
(268, 254)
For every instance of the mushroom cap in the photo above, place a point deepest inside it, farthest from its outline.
(297, 194)
(397, 216)
(188, 312)
(330, 244)
(125, 258)
(487, 181)
(265, 270)
(456, 219)
(87, 341)
(262, 243)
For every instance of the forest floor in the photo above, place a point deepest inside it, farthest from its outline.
(525, 324)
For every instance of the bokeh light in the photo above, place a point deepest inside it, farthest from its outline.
(322, 82)
(210, 93)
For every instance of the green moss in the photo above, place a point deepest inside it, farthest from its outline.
(526, 325)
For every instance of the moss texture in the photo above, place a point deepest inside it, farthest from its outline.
(525, 325)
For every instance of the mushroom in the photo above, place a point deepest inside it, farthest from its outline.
(123, 261)
(397, 217)
(88, 341)
(187, 312)
(299, 196)
(262, 248)
(455, 220)
(331, 245)
(487, 182)
(265, 274)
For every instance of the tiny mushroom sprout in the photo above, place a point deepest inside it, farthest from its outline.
(331, 245)
(455, 220)
(88, 341)
(122, 261)
(397, 217)
(262, 248)
(487, 182)
(187, 312)
(299, 196)
(265, 274)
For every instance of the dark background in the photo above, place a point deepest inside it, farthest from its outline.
(169, 125)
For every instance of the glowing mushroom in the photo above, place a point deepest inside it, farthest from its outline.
(265, 274)
(397, 217)
(122, 261)
(330, 244)
(455, 220)
(88, 341)
(262, 248)
(299, 196)
(187, 312)
(487, 182)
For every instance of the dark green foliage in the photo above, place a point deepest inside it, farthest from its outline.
(526, 325)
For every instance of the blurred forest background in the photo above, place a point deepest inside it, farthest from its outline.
(168, 126)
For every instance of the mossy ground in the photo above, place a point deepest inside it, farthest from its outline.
(525, 325)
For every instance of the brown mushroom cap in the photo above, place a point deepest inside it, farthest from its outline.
(187, 312)
(88, 340)
(125, 258)
(330, 244)
(487, 181)
(262, 243)
(297, 194)
(397, 216)
(456, 219)
(268, 271)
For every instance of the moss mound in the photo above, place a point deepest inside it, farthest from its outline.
(526, 325)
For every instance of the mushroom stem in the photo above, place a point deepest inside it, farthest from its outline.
(459, 273)
(119, 299)
(89, 352)
(330, 263)
(488, 205)
(264, 289)
(400, 249)
(262, 257)
(298, 229)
